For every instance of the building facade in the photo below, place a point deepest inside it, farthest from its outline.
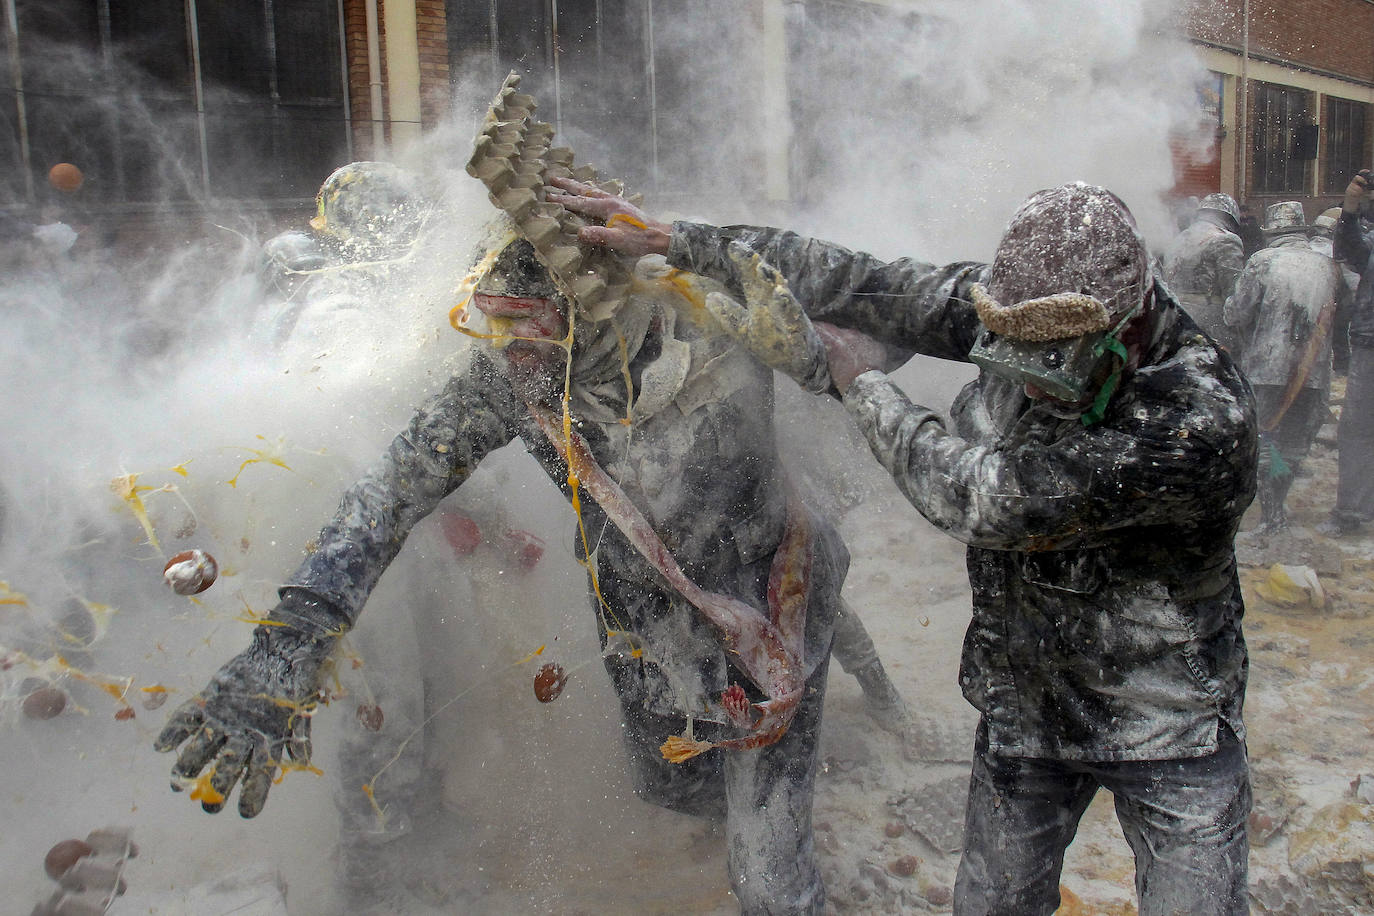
(167, 104)
(1291, 89)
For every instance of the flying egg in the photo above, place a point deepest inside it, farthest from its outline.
(549, 682)
(190, 572)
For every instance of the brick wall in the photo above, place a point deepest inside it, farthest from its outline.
(432, 31)
(1336, 36)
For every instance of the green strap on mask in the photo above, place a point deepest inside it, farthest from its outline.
(1111, 343)
(1098, 410)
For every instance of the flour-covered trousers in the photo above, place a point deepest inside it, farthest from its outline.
(1355, 489)
(1184, 819)
(765, 796)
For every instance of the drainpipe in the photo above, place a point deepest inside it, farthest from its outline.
(1241, 110)
(652, 66)
(198, 85)
(343, 77)
(374, 81)
(20, 111)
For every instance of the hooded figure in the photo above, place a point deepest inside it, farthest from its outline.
(715, 588)
(1285, 307)
(368, 217)
(1105, 647)
(1202, 263)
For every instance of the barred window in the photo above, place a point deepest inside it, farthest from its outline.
(1285, 140)
(1347, 138)
(628, 84)
(248, 104)
(587, 62)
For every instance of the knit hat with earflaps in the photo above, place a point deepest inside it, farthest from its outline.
(1071, 262)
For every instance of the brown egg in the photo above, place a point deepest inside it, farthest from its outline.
(905, 867)
(894, 829)
(190, 572)
(940, 895)
(45, 702)
(370, 715)
(549, 682)
(66, 177)
(64, 855)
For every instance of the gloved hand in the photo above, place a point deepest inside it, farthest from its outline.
(1357, 192)
(771, 324)
(849, 353)
(256, 707)
(628, 229)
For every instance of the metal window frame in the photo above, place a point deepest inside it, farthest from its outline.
(1345, 141)
(551, 7)
(198, 89)
(1278, 111)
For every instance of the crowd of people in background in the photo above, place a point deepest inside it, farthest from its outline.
(1284, 298)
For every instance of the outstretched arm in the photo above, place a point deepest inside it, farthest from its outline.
(910, 306)
(256, 710)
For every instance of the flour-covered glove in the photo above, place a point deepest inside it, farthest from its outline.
(771, 324)
(256, 708)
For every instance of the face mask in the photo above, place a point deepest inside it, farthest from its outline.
(1067, 370)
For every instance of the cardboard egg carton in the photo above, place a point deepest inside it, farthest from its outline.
(514, 157)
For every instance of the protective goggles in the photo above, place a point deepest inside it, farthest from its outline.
(1066, 369)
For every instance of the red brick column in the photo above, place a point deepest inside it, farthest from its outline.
(359, 86)
(432, 31)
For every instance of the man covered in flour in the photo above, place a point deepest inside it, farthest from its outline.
(1097, 469)
(716, 589)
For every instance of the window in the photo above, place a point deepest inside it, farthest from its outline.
(1285, 140)
(250, 106)
(587, 62)
(629, 85)
(1346, 136)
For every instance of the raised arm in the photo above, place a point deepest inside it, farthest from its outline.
(1135, 469)
(910, 306)
(1349, 244)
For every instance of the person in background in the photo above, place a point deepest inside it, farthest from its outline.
(1097, 468)
(1323, 230)
(1202, 263)
(1287, 302)
(1355, 436)
(1251, 233)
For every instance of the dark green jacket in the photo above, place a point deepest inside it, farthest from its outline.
(1106, 606)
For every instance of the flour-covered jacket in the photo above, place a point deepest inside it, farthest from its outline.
(698, 459)
(1353, 249)
(1202, 263)
(1279, 299)
(1106, 605)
